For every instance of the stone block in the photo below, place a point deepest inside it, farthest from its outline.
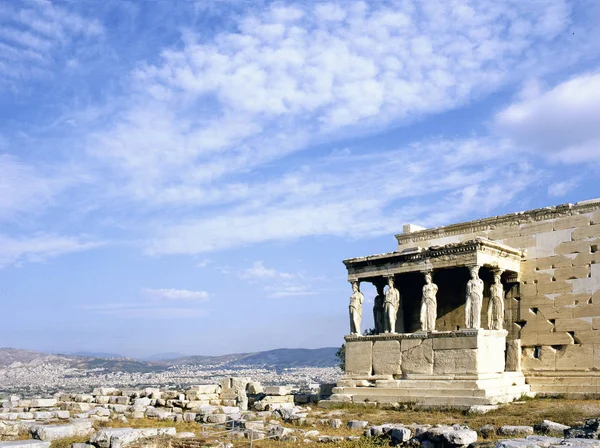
(535, 228)
(587, 310)
(585, 232)
(552, 262)
(25, 444)
(587, 337)
(557, 338)
(419, 358)
(575, 357)
(572, 272)
(570, 300)
(573, 247)
(455, 361)
(572, 325)
(455, 343)
(359, 357)
(584, 259)
(206, 388)
(545, 361)
(556, 287)
(515, 431)
(521, 242)
(513, 355)
(571, 222)
(43, 402)
(387, 358)
(282, 390)
(49, 433)
(504, 232)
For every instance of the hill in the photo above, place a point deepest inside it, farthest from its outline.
(271, 359)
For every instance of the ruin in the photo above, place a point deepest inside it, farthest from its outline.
(482, 312)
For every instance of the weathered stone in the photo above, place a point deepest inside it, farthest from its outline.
(387, 358)
(43, 402)
(359, 356)
(357, 424)
(335, 423)
(25, 444)
(548, 426)
(515, 431)
(419, 358)
(50, 433)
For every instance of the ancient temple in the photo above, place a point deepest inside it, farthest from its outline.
(480, 313)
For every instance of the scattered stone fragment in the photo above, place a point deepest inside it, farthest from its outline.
(548, 426)
(515, 431)
(357, 424)
(335, 423)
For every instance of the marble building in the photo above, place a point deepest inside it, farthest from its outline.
(480, 313)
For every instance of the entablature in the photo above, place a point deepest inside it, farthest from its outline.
(479, 252)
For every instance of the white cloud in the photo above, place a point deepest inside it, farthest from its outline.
(286, 78)
(39, 248)
(177, 295)
(259, 271)
(560, 123)
(363, 195)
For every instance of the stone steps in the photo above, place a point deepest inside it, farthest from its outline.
(571, 386)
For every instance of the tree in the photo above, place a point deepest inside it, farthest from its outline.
(341, 353)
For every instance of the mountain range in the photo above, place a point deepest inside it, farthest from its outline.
(276, 359)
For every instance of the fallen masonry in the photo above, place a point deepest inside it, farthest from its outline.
(230, 411)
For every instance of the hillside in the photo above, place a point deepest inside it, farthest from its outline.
(275, 359)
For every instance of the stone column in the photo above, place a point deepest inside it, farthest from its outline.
(495, 309)
(355, 308)
(392, 309)
(378, 307)
(428, 314)
(474, 299)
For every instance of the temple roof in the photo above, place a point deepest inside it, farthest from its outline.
(479, 251)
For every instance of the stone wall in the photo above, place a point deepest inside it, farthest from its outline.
(555, 310)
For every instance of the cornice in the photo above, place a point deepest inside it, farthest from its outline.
(479, 225)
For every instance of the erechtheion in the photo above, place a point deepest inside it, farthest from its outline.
(481, 312)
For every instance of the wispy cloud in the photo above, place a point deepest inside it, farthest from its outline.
(259, 271)
(34, 36)
(40, 247)
(176, 295)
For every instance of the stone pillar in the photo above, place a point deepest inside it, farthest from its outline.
(474, 299)
(495, 309)
(393, 316)
(378, 307)
(355, 308)
(428, 314)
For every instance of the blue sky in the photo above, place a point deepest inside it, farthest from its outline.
(188, 176)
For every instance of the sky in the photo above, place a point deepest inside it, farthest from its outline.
(188, 176)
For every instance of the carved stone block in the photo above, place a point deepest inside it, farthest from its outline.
(359, 356)
(418, 359)
(387, 358)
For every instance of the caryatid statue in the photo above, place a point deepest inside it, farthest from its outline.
(474, 299)
(378, 308)
(356, 301)
(428, 304)
(495, 310)
(391, 308)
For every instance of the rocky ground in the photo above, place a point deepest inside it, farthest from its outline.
(239, 411)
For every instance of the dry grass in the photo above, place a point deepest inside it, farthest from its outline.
(68, 441)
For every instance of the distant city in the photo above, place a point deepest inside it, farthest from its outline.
(31, 373)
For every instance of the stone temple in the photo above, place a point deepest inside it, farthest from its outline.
(480, 313)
